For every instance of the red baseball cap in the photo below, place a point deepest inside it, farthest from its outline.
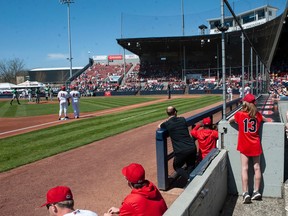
(249, 98)
(207, 121)
(134, 173)
(58, 194)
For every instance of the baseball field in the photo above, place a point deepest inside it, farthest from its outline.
(126, 125)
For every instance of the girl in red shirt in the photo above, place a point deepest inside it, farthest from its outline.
(249, 144)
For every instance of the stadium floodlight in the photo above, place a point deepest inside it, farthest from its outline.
(68, 2)
(183, 20)
(202, 29)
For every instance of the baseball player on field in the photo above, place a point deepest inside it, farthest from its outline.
(230, 93)
(247, 89)
(15, 94)
(46, 89)
(75, 98)
(63, 98)
(37, 95)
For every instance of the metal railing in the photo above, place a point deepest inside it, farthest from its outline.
(162, 135)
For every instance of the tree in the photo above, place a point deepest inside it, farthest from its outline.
(9, 69)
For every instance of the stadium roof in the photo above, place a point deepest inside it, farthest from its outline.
(56, 69)
(205, 50)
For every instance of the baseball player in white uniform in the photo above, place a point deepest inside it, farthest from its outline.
(240, 92)
(75, 98)
(63, 98)
(247, 89)
(230, 93)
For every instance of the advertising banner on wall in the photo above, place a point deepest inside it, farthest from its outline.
(100, 57)
(115, 57)
(131, 56)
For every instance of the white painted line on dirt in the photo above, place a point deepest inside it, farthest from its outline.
(124, 119)
(35, 126)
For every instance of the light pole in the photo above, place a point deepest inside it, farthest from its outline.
(68, 2)
(223, 28)
(183, 21)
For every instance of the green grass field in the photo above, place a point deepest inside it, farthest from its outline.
(87, 104)
(26, 148)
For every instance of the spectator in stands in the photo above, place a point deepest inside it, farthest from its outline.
(144, 199)
(249, 144)
(183, 144)
(206, 137)
(60, 203)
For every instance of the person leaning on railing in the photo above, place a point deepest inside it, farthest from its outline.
(184, 146)
(206, 136)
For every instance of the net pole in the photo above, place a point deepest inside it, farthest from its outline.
(223, 62)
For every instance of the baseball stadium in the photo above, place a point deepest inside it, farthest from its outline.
(123, 101)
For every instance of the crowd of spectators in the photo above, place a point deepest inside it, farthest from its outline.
(150, 77)
(96, 78)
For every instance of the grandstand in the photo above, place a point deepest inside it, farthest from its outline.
(182, 61)
(201, 54)
(178, 60)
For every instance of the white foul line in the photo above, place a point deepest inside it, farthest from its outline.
(34, 126)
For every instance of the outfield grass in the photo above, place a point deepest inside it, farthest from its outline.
(26, 148)
(87, 104)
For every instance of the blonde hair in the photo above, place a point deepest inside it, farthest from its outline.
(250, 108)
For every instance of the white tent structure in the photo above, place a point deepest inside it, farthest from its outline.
(7, 85)
(30, 84)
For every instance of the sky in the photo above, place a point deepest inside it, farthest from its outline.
(36, 31)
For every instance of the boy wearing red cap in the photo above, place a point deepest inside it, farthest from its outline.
(60, 203)
(249, 145)
(144, 199)
(206, 137)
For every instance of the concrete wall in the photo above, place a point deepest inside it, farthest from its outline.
(206, 194)
(272, 159)
(283, 108)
